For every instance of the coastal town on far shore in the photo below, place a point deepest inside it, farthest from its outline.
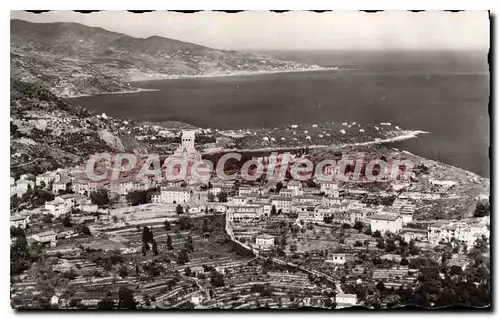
(144, 244)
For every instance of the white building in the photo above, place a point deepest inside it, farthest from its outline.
(244, 213)
(338, 259)
(442, 183)
(46, 237)
(328, 187)
(174, 195)
(385, 222)
(46, 178)
(283, 203)
(409, 234)
(60, 185)
(246, 190)
(18, 221)
(264, 241)
(346, 300)
(58, 206)
(295, 186)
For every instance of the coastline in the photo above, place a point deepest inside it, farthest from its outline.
(407, 136)
(199, 76)
(235, 73)
(138, 90)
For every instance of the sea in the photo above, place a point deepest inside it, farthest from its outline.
(445, 93)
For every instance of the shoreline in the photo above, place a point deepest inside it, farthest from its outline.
(138, 90)
(236, 73)
(407, 136)
(200, 76)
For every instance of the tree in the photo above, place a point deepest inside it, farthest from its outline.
(84, 230)
(169, 243)
(358, 243)
(179, 210)
(188, 272)
(346, 226)
(404, 262)
(211, 197)
(166, 225)
(155, 248)
(138, 197)
(273, 210)
(122, 272)
(216, 279)
(189, 244)
(377, 234)
(183, 257)
(48, 218)
(99, 198)
(390, 245)
(185, 223)
(105, 304)
(66, 221)
(222, 197)
(126, 299)
(114, 219)
(380, 244)
(147, 236)
(413, 249)
(328, 219)
(279, 186)
(380, 286)
(482, 210)
(358, 225)
(368, 231)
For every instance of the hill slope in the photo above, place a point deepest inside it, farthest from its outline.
(47, 132)
(73, 59)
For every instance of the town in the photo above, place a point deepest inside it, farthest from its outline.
(141, 244)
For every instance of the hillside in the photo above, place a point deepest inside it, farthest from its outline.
(47, 132)
(73, 59)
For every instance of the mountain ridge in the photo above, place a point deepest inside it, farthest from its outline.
(74, 59)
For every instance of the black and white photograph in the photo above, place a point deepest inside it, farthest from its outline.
(252, 160)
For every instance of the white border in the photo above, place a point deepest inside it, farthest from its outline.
(203, 5)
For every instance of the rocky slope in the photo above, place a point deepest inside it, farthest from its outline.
(47, 132)
(73, 59)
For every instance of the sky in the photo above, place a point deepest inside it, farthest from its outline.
(298, 30)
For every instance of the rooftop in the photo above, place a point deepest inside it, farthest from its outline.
(385, 217)
(265, 236)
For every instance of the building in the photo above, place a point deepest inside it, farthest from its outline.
(246, 190)
(346, 300)
(295, 186)
(287, 192)
(243, 213)
(409, 234)
(442, 183)
(54, 302)
(329, 187)
(174, 195)
(58, 206)
(264, 241)
(338, 259)
(197, 298)
(283, 203)
(61, 185)
(18, 221)
(46, 238)
(385, 222)
(45, 178)
(239, 200)
(23, 185)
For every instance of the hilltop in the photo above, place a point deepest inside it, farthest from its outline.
(47, 132)
(73, 59)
